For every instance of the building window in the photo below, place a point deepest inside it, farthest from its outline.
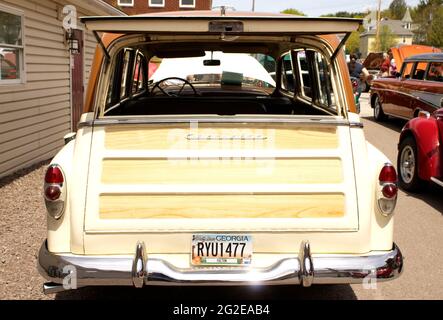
(11, 46)
(187, 3)
(125, 3)
(156, 3)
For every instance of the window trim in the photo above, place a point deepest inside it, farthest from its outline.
(142, 69)
(21, 48)
(186, 5)
(120, 4)
(156, 5)
(281, 69)
(301, 90)
(319, 90)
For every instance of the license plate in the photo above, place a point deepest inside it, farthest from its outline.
(221, 249)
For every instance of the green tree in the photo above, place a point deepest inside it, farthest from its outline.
(397, 9)
(386, 14)
(435, 32)
(387, 39)
(345, 14)
(353, 43)
(293, 11)
(427, 18)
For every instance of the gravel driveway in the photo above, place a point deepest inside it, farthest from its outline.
(22, 230)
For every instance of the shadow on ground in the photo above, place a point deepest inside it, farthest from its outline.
(183, 293)
(21, 173)
(431, 194)
(394, 124)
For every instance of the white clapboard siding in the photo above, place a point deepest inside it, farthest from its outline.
(35, 115)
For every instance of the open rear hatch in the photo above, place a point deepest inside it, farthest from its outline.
(229, 24)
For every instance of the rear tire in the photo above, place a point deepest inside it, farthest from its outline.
(379, 115)
(407, 165)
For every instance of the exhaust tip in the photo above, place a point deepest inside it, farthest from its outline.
(51, 288)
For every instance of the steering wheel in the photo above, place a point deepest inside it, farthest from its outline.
(170, 94)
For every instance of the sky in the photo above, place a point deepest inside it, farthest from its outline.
(309, 7)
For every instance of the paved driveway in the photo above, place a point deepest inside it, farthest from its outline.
(418, 232)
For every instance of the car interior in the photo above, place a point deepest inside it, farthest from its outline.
(301, 81)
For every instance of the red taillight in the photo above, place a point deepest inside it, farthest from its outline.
(388, 174)
(387, 194)
(54, 175)
(52, 192)
(389, 190)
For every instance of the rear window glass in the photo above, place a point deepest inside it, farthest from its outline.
(217, 67)
(420, 70)
(407, 69)
(435, 72)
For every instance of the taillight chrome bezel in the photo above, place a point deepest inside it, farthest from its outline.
(386, 205)
(55, 207)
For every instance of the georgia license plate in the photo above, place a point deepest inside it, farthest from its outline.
(221, 249)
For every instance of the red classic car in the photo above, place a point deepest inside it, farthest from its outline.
(420, 155)
(418, 86)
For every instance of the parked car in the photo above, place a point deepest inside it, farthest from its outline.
(404, 51)
(216, 180)
(399, 53)
(420, 155)
(418, 86)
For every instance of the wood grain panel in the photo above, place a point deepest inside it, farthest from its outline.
(277, 136)
(229, 171)
(221, 206)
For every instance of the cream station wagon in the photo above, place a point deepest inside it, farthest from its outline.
(190, 167)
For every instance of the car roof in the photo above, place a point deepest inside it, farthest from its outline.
(426, 57)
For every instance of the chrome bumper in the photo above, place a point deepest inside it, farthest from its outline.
(141, 270)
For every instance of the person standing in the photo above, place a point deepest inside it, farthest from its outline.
(393, 68)
(361, 74)
(356, 69)
(386, 64)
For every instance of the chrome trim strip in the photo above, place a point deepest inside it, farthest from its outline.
(318, 269)
(435, 180)
(221, 119)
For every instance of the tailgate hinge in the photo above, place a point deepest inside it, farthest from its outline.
(340, 45)
(100, 42)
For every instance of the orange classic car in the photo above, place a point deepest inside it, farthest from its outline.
(418, 86)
